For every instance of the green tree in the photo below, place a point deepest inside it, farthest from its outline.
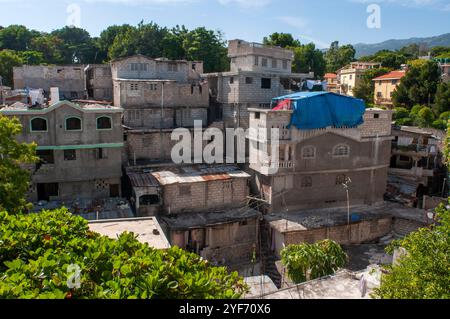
(423, 272)
(37, 250)
(388, 59)
(425, 117)
(16, 37)
(339, 56)
(51, 47)
(310, 261)
(208, 46)
(418, 86)
(107, 38)
(8, 60)
(14, 180)
(442, 98)
(283, 40)
(78, 45)
(366, 88)
(32, 57)
(308, 59)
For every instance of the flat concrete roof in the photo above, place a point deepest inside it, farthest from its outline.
(148, 230)
(259, 286)
(318, 218)
(342, 285)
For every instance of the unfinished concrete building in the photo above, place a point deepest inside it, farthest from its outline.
(79, 146)
(257, 74)
(416, 167)
(203, 209)
(70, 79)
(99, 84)
(157, 95)
(313, 164)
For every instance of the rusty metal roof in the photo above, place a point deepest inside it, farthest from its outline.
(197, 174)
(143, 180)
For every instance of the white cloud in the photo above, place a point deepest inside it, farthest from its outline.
(246, 3)
(137, 2)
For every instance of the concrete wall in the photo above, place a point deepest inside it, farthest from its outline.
(364, 231)
(69, 79)
(205, 196)
(99, 82)
(150, 94)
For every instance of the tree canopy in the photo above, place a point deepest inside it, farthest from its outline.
(339, 56)
(14, 180)
(423, 272)
(54, 255)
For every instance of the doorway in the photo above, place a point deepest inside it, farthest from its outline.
(45, 191)
(114, 191)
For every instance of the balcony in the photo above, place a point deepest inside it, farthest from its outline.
(279, 164)
(418, 148)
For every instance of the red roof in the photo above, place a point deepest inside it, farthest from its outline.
(394, 75)
(330, 76)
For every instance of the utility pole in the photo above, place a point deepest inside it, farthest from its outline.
(346, 185)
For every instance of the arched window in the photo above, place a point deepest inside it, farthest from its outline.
(308, 152)
(341, 150)
(38, 124)
(104, 123)
(306, 181)
(73, 124)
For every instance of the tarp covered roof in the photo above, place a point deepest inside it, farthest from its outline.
(315, 110)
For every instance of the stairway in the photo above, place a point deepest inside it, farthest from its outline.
(268, 259)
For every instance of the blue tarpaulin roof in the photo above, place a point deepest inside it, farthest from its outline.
(314, 110)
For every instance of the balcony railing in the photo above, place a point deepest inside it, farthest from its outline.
(279, 164)
(415, 148)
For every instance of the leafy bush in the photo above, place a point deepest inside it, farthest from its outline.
(310, 261)
(400, 113)
(36, 251)
(423, 272)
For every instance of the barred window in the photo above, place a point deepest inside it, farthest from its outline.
(308, 152)
(306, 182)
(341, 150)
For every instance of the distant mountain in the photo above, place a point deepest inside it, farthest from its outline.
(369, 49)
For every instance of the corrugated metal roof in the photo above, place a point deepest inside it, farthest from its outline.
(198, 174)
(143, 180)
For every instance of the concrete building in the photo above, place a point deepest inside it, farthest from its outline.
(385, 86)
(70, 79)
(312, 164)
(202, 209)
(99, 84)
(416, 167)
(332, 82)
(80, 149)
(350, 76)
(257, 74)
(157, 95)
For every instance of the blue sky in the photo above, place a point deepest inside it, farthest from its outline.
(316, 21)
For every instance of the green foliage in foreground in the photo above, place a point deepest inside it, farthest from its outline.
(424, 272)
(310, 261)
(36, 251)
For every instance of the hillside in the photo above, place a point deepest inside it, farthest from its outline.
(430, 42)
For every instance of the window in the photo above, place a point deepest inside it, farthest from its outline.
(257, 115)
(133, 115)
(379, 94)
(308, 152)
(341, 179)
(341, 150)
(274, 63)
(306, 182)
(285, 64)
(38, 124)
(172, 67)
(70, 155)
(264, 62)
(184, 190)
(134, 87)
(153, 86)
(394, 82)
(194, 66)
(248, 80)
(231, 80)
(104, 123)
(266, 83)
(376, 116)
(102, 153)
(46, 156)
(73, 124)
(351, 76)
(404, 158)
(148, 200)
(139, 66)
(256, 60)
